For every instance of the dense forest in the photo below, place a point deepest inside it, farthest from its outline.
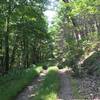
(76, 31)
(24, 39)
(31, 45)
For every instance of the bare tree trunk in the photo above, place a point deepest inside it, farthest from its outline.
(13, 52)
(6, 61)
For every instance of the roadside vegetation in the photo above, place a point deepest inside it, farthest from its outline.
(15, 81)
(75, 88)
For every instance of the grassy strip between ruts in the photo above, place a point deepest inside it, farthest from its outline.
(50, 86)
(14, 83)
(74, 84)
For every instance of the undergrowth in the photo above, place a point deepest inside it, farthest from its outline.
(17, 79)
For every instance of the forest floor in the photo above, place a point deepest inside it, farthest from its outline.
(89, 88)
(31, 91)
(65, 92)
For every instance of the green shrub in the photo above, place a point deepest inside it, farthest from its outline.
(45, 67)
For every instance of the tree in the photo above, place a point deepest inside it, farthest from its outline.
(76, 31)
(24, 32)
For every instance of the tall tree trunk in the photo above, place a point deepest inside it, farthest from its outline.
(6, 61)
(14, 52)
(27, 53)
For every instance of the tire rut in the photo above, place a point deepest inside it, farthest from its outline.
(65, 92)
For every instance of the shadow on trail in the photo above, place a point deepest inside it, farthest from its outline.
(65, 92)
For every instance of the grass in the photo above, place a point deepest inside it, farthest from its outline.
(74, 84)
(49, 89)
(14, 82)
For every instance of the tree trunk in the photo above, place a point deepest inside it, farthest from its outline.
(13, 52)
(6, 60)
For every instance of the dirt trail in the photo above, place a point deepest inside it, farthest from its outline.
(31, 90)
(65, 92)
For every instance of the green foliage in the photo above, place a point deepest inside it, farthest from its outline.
(76, 32)
(16, 80)
(74, 57)
(45, 67)
(50, 86)
(24, 37)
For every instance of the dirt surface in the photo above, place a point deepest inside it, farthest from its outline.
(30, 91)
(65, 92)
(89, 88)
